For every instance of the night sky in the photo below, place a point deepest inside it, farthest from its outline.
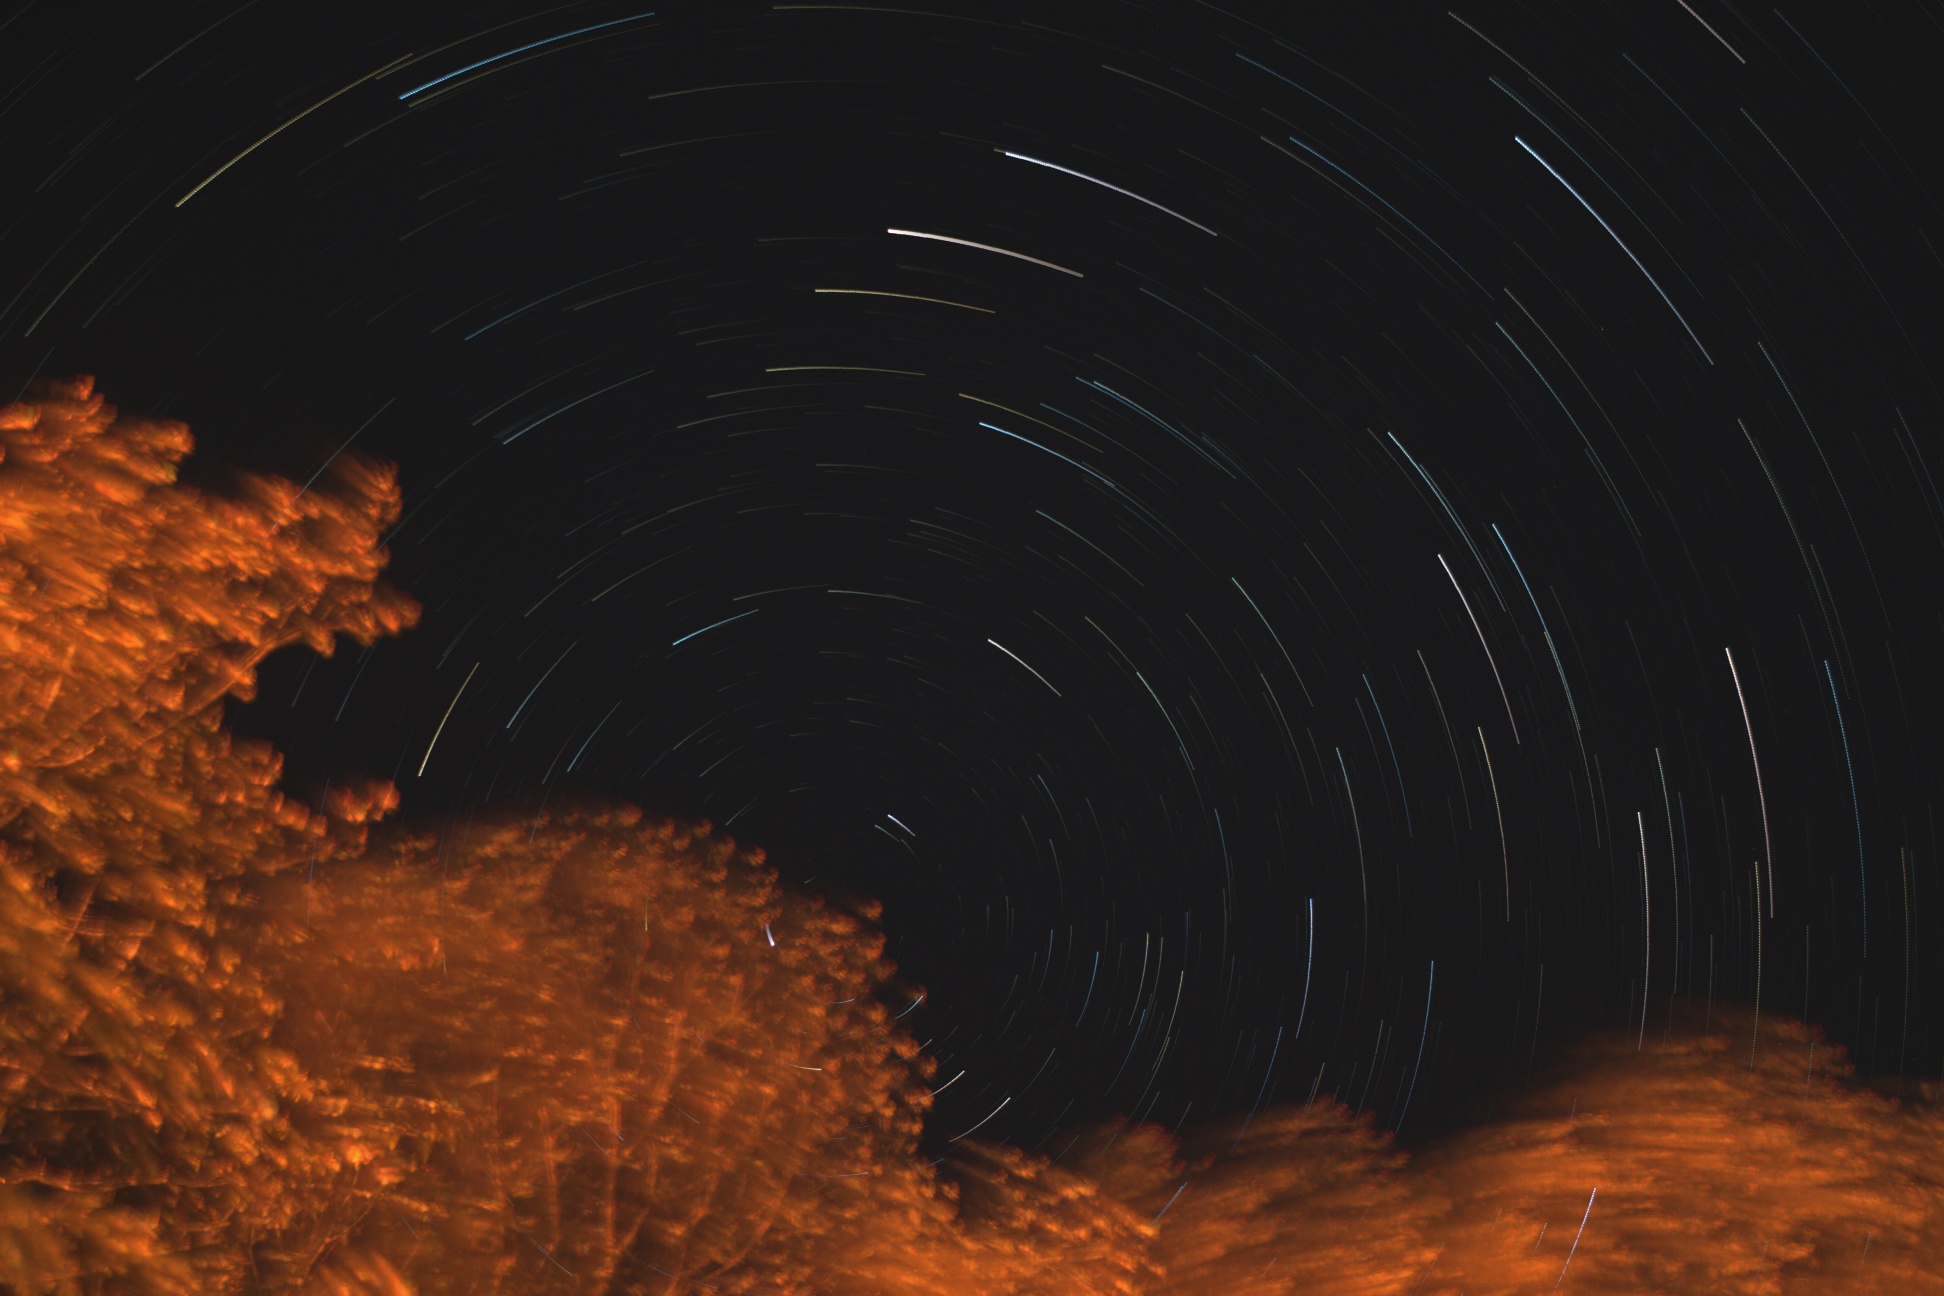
(1295, 553)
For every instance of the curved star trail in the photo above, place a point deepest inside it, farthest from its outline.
(1462, 487)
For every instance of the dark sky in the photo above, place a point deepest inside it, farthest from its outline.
(1265, 540)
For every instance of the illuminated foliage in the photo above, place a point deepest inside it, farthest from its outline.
(613, 1056)
(1291, 1203)
(590, 1053)
(1039, 1230)
(610, 1057)
(1719, 1168)
(140, 1099)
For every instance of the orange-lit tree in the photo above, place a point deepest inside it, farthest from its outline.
(613, 1057)
(1735, 1161)
(141, 1103)
(1294, 1202)
(595, 1054)
(590, 1054)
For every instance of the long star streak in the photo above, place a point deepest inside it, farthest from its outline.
(1482, 644)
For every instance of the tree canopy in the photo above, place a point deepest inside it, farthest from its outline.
(144, 1107)
(598, 1053)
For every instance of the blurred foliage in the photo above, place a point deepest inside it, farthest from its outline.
(1737, 1160)
(591, 1053)
(144, 1109)
(580, 1065)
